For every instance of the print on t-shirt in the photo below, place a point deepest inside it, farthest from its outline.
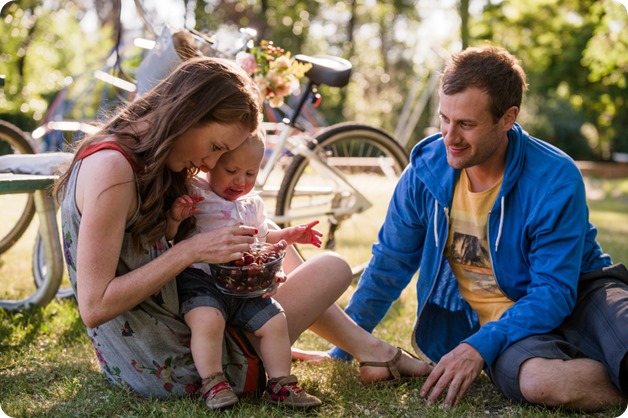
(471, 255)
(468, 253)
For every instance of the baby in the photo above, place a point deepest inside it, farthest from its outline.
(223, 199)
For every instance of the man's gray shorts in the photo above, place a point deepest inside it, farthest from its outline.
(597, 329)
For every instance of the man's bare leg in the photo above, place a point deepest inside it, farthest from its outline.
(574, 384)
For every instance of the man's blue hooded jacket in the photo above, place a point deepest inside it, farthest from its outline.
(540, 242)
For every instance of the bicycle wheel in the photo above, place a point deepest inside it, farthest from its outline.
(14, 141)
(371, 161)
(40, 270)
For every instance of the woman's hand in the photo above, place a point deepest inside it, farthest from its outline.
(223, 244)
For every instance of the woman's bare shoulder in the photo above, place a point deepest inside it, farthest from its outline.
(103, 170)
(109, 163)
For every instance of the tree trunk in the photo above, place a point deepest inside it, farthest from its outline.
(463, 8)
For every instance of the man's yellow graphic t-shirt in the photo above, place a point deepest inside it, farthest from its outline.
(468, 253)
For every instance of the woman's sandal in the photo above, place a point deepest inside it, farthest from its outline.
(391, 365)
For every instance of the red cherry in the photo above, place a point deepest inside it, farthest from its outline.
(265, 283)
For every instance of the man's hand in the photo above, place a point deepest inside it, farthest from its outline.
(455, 372)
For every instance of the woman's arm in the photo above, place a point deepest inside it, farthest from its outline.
(106, 196)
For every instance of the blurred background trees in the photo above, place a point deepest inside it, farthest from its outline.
(576, 56)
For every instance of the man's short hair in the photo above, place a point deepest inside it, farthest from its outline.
(491, 69)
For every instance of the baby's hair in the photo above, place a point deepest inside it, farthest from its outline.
(259, 135)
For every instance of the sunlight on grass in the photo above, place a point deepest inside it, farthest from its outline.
(609, 213)
(16, 279)
(48, 366)
(16, 264)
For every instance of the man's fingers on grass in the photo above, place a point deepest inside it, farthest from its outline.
(438, 389)
(453, 394)
(429, 382)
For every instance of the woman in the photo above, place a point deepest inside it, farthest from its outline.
(114, 199)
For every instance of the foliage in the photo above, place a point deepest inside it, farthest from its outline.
(275, 72)
(42, 50)
(576, 57)
(576, 63)
(379, 40)
(286, 22)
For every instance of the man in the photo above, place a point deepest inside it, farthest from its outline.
(511, 279)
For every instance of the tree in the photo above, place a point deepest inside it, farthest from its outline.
(42, 49)
(368, 33)
(373, 36)
(576, 59)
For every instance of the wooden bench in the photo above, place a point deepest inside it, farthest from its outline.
(22, 183)
(39, 185)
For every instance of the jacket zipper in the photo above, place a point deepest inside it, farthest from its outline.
(490, 255)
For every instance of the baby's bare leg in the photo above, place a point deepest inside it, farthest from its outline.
(274, 346)
(207, 325)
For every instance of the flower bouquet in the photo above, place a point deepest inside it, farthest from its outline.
(275, 72)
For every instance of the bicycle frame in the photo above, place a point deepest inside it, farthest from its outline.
(298, 144)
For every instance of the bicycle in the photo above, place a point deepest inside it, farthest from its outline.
(345, 172)
(14, 141)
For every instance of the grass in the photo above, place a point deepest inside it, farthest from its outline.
(48, 368)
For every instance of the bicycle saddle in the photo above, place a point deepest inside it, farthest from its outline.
(327, 69)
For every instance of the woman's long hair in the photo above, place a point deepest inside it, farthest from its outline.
(199, 91)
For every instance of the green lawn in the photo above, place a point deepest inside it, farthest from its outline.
(609, 212)
(47, 365)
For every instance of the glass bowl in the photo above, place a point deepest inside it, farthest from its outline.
(249, 277)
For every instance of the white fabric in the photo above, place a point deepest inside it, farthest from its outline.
(216, 212)
(158, 63)
(47, 163)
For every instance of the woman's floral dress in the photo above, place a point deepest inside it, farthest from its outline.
(148, 347)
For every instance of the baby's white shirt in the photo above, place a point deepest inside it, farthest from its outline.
(216, 212)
